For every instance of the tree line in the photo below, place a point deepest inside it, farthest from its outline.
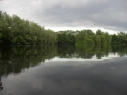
(84, 37)
(17, 31)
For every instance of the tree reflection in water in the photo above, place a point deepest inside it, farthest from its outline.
(1, 88)
(15, 59)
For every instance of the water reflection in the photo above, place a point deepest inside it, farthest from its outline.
(89, 52)
(66, 51)
(62, 78)
(85, 53)
(15, 59)
(1, 88)
(121, 50)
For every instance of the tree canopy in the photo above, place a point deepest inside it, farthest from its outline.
(16, 31)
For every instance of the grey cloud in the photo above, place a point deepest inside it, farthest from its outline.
(109, 14)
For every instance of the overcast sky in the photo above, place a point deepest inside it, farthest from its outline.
(110, 15)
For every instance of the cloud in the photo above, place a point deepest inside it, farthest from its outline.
(108, 14)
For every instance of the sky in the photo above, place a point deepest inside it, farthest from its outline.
(107, 15)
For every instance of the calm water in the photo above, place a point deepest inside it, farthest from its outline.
(67, 70)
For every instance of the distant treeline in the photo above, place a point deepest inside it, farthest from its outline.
(87, 37)
(17, 31)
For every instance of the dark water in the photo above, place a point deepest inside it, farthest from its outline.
(66, 70)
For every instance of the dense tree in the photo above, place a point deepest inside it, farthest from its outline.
(87, 37)
(120, 38)
(66, 37)
(98, 32)
(16, 31)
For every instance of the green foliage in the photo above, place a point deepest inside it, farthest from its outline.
(98, 32)
(66, 37)
(120, 38)
(82, 37)
(98, 40)
(88, 38)
(16, 31)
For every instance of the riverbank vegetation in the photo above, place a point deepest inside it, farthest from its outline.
(17, 31)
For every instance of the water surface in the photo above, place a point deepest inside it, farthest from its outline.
(66, 70)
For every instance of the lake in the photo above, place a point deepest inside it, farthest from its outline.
(63, 70)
